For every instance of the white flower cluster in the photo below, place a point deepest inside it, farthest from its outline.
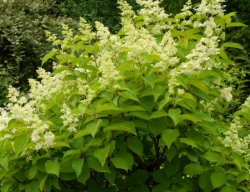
(232, 137)
(102, 32)
(182, 19)
(86, 30)
(212, 7)
(107, 69)
(167, 50)
(69, 120)
(4, 119)
(226, 94)
(153, 13)
(234, 141)
(198, 59)
(21, 109)
(49, 84)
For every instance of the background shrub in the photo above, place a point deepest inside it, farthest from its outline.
(23, 42)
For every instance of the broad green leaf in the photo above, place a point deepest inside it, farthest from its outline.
(4, 162)
(237, 160)
(169, 136)
(161, 188)
(92, 128)
(110, 176)
(53, 167)
(189, 142)
(49, 55)
(228, 189)
(60, 144)
(131, 108)
(158, 114)
(123, 161)
(102, 154)
(77, 166)
(85, 174)
(135, 145)
(32, 187)
(164, 102)
(141, 115)
(32, 172)
(20, 143)
(42, 183)
(5, 187)
(218, 178)
(233, 45)
(60, 69)
(187, 101)
(200, 85)
(205, 181)
(174, 114)
(193, 169)
(171, 153)
(158, 91)
(95, 164)
(106, 107)
(236, 24)
(214, 157)
(190, 117)
(124, 126)
(128, 95)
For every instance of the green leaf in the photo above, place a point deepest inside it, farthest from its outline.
(174, 114)
(123, 161)
(110, 176)
(92, 128)
(205, 181)
(124, 126)
(233, 45)
(141, 115)
(32, 172)
(169, 136)
(131, 108)
(95, 164)
(164, 102)
(135, 145)
(32, 187)
(49, 55)
(228, 189)
(189, 142)
(4, 162)
(42, 183)
(193, 169)
(214, 157)
(200, 85)
(5, 187)
(20, 143)
(236, 24)
(128, 95)
(158, 114)
(190, 117)
(218, 178)
(102, 154)
(85, 174)
(158, 91)
(53, 167)
(77, 166)
(106, 107)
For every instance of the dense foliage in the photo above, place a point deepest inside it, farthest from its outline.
(23, 41)
(153, 107)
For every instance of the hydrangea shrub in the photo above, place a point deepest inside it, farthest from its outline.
(150, 108)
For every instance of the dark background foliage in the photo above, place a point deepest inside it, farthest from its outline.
(23, 42)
